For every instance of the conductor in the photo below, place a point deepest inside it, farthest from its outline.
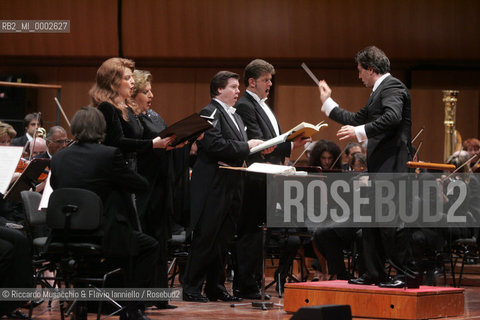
(385, 121)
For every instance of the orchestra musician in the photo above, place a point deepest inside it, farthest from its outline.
(324, 154)
(386, 122)
(90, 165)
(31, 122)
(328, 242)
(15, 251)
(10, 210)
(217, 194)
(7, 133)
(350, 149)
(56, 140)
(15, 266)
(471, 203)
(35, 147)
(358, 162)
(472, 146)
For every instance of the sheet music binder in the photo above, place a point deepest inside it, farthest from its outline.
(305, 128)
(186, 129)
(27, 179)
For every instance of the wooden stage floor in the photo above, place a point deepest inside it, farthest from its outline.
(222, 310)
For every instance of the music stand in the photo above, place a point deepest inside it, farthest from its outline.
(263, 304)
(27, 180)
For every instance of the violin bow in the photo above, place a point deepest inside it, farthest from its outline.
(61, 110)
(463, 165)
(32, 145)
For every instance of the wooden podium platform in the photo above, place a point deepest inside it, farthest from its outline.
(375, 302)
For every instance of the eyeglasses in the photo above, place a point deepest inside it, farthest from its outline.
(66, 141)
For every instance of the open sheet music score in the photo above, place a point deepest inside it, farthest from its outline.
(47, 191)
(187, 128)
(305, 128)
(268, 168)
(28, 179)
(9, 157)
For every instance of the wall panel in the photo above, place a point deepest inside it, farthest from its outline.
(312, 29)
(93, 28)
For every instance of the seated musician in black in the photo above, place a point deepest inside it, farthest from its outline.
(330, 241)
(102, 169)
(15, 266)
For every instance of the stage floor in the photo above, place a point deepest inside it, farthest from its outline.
(222, 310)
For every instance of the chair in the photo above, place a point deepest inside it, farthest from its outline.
(74, 215)
(283, 244)
(352, 254)
(177, 255)
(36, 221)
(37, 231)
(465, 250)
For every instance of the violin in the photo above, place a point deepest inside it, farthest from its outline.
(476, 168)
(23, 164)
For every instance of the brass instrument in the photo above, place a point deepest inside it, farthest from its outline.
(41, 132)
(453, 140)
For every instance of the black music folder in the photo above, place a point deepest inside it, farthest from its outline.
(27, 180)
(186, 129)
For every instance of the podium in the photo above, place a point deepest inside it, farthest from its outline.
(374, 302)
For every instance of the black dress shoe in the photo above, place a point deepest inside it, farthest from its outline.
(194, 297)
(137, 314)
(223, 296)
(33, 303)
(164, 305)
(80, 312)
(399, 282)
(17, 314)
(365, 279)
(392, 284)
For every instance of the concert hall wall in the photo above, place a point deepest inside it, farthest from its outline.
(433, 45)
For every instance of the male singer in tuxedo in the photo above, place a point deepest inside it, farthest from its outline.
(261, 124)
(386, 122)
(216, 195)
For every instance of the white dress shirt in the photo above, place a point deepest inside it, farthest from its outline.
(230, 111)
(267, 110)
(330, 104)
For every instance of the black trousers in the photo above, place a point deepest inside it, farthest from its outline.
(141, 269)
(248, 247)
(331, 242)
(15, 264)
(380, 244)
(212, 235)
